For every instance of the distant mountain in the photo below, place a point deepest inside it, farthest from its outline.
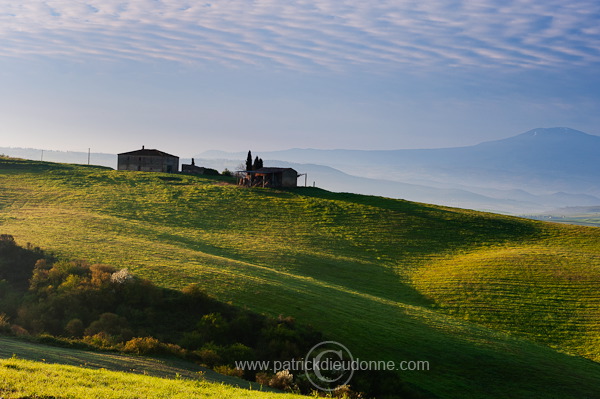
(541, 169)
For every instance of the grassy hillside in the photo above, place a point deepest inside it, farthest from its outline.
(494, 303)
(52, 372)
(171, 368)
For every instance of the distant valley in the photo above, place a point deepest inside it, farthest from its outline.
(537, 171)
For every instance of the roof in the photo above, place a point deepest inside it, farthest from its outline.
(149, 153)
(269, 170)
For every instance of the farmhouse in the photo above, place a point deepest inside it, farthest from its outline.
(148, 161)
(270, 177)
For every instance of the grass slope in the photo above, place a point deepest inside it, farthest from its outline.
(21, 378)
(165, 368)
(482, 297)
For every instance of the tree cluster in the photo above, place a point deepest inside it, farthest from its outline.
(253, 165)
(113, 309)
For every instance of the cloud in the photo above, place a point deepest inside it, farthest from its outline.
(309, 35)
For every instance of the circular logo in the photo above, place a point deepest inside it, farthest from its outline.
(331, 365)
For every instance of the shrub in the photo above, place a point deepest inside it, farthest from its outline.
(18, 330)
(143, 346)
(283, 380)
(4, 324)
(152, 346)
(208, 356)
(344, 391)
(213, 327)
(110, 324)
(75, 328)
(263, 378)
(10, 298)
(101, 274)
(121, 277)
(102, 341)
(174, 350)
(230, 371)
(192, 340)
(236, 352)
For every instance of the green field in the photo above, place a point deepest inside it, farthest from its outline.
(38, 371)
(500, 306)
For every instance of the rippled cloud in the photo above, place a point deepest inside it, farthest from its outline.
(304, 35)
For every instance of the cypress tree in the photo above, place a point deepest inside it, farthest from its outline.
(257, 163)
(249, 161)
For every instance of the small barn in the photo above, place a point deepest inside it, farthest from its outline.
(147, 160)
(192, 169)
(270, 177)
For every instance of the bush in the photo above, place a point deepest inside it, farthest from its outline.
(10, 298)
(101, 275)
(112, 325)
(230, 371)
(143, 346)
(283, 380)
(213, 327)
(236, 353)
(102, 341)
(192, 340)
(344, 391)
(208, 356)
(4, 324)
(121, 277)
(263, 378)
(75, 328)
(18, 330)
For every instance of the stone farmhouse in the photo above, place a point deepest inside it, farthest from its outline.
(147, 160)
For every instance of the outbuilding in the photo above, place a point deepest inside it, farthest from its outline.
(270, 177)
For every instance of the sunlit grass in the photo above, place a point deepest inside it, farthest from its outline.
(25, 378)
(547, 290)
(389, 278)
(164, 367)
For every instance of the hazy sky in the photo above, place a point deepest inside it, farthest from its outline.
(188, 76)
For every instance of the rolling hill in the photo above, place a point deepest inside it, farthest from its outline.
(500, 306)
(533, 172)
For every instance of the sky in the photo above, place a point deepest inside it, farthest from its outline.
(232, 75)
